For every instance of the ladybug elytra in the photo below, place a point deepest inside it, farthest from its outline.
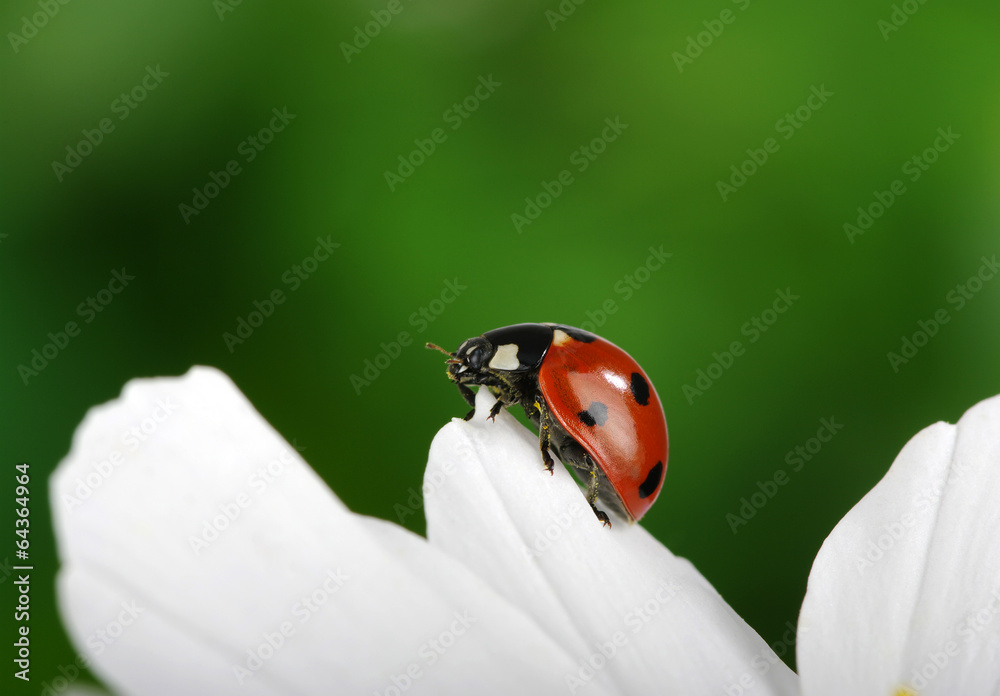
(591, 402)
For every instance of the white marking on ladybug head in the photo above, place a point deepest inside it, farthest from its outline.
(560, 337)
(505, 358)
(461, 369)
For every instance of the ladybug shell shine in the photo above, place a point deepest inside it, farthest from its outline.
(592, 403)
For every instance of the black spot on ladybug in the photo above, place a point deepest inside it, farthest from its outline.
(640, 389)
(578, 334)
(648, 486)
(596, 414)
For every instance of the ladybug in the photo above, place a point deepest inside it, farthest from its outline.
(591, 402)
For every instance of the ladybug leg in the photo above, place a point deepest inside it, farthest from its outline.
(495, 410)
(592, 498)
(508, 393)
(544, 433)
(470, 397)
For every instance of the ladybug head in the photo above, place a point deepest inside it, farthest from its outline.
(470, 360)
(472, 355)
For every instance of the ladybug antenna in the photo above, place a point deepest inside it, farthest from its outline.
(433, 346)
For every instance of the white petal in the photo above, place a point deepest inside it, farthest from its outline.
(905, 591)
(364, 607)
(597, 591)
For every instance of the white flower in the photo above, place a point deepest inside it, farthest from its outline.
(904, 595)
(201, 555)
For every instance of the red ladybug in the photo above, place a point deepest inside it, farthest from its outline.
(591, 402)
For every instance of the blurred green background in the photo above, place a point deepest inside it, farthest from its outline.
(696, 84)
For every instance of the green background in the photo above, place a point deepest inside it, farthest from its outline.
(655, 186)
